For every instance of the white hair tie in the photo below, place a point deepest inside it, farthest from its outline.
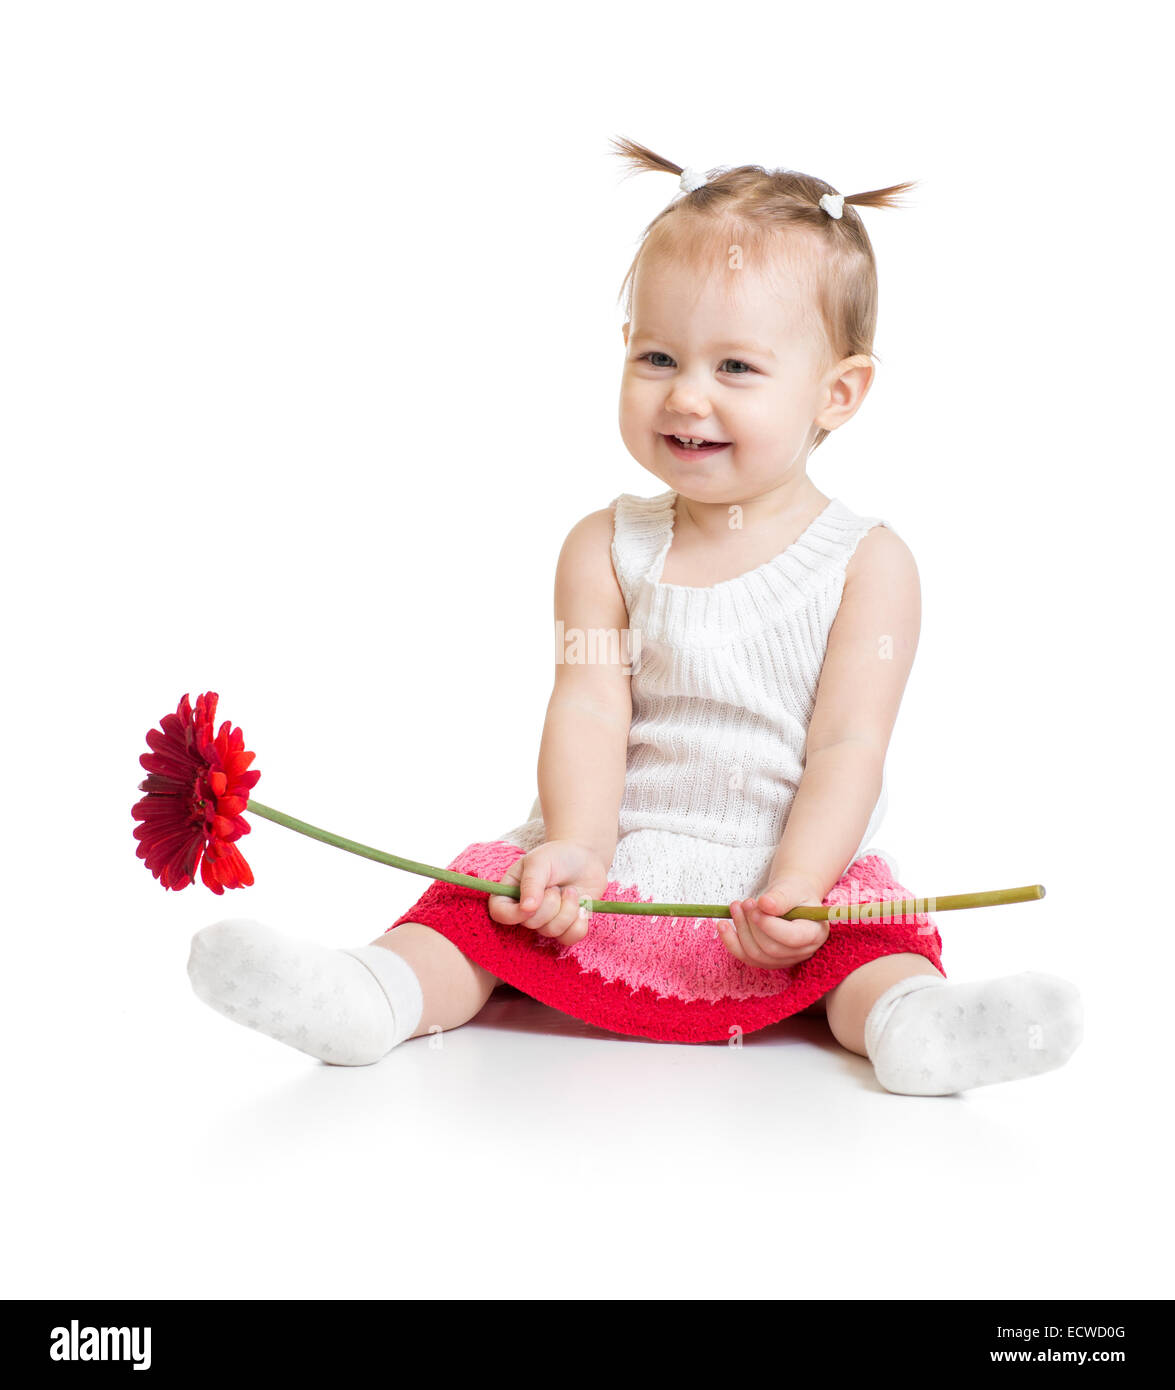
(833, 204)
(691, 179)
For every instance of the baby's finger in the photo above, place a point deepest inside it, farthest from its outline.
(511, 911)
(563, 917)
(797, 933)
(567, 916)
(547, 910)
(583, 920)
(578, 929)
(502, 909)
(531, 890)
(765, 949)
(749, 951)
(728, 935)
(777, 938)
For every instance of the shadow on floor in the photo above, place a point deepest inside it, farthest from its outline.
(510, 1010)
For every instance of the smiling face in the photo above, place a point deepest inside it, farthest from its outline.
(732, 359)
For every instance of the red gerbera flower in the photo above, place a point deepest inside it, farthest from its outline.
(197, 788)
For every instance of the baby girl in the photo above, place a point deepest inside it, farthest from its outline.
(735, 649)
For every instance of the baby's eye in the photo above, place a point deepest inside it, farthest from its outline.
(737, 363)
(648, 357)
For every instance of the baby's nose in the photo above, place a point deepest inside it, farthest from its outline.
(684, 402)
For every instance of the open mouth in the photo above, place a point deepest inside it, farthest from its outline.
(693, 444)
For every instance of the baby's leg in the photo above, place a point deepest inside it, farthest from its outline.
(454, 988)
(927, 1037)
(848, 1005)
(348, 1007)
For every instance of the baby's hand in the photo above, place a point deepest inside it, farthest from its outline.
(757, 933)
(551, 880)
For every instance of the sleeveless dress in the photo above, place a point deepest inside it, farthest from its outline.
(723, 684)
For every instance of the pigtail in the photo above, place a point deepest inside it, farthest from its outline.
(640, 158)
(881, 197)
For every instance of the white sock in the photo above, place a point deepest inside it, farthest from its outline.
(349, 1007)
(926, 1037)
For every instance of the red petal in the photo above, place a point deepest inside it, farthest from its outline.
(245, 872)
(237, 873)
(237, 761)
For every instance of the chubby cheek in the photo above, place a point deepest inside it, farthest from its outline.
(771, 435)
(757, 422)
(637, 411)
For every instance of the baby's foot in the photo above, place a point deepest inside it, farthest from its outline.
(926, 1037)
(349, 1007)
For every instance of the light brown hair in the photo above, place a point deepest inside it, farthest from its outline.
(774, 218)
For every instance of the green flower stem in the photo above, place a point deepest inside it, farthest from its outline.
(843, 912)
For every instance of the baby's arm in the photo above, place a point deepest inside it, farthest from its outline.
(584, 751)
(870, 652)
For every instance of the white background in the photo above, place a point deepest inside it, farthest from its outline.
(311, 355)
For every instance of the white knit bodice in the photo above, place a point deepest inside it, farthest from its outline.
(723, 688)
(724, 680)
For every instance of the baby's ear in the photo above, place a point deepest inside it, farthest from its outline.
(624, 330)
